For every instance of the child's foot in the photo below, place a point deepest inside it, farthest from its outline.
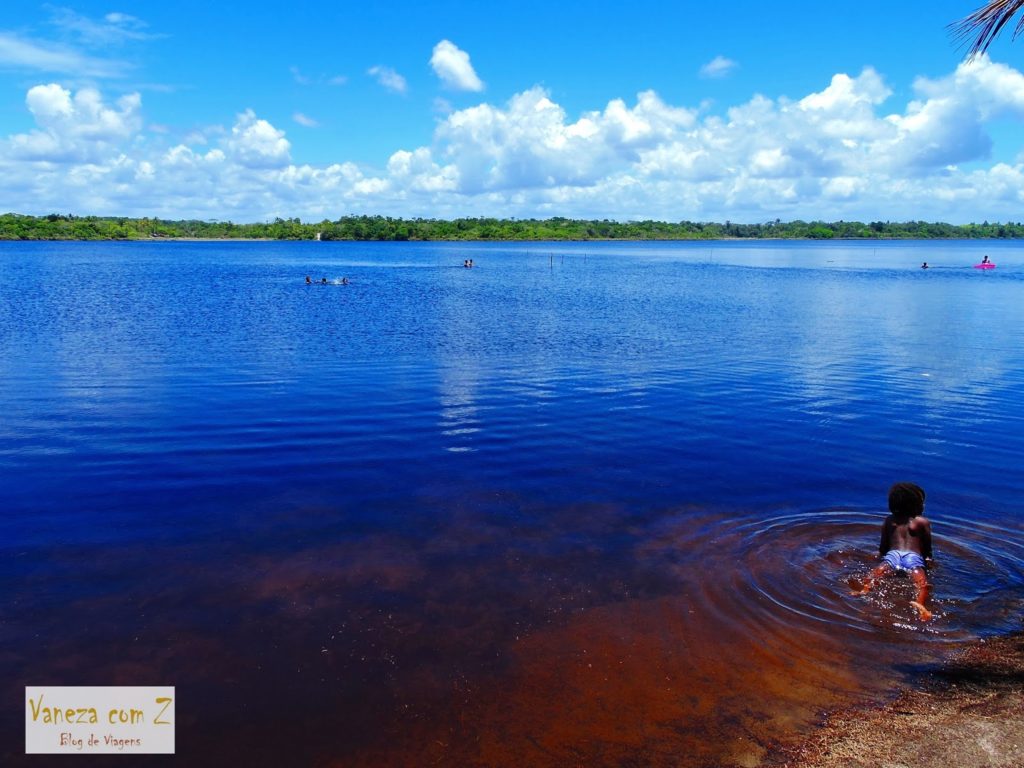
(922, 613)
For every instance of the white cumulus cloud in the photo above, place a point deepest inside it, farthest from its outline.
(844, 151)
(531, 143)
(255, 143)
(452, 65)
(79, 127)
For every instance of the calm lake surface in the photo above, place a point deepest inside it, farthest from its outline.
(589, 503)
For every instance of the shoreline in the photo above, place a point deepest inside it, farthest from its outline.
(524, 240)
(968, 712)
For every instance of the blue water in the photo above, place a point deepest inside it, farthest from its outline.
(363, 497)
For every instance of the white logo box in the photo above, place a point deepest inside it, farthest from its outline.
(91, 720)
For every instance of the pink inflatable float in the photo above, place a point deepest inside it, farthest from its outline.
(985, 265)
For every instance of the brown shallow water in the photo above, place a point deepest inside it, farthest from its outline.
(698, 638)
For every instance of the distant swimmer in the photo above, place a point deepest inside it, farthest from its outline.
(985, 260)
(344, 281)
(925, 265)
(323, 281)
(308, 281)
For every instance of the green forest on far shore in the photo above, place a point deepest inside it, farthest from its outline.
(68, 227)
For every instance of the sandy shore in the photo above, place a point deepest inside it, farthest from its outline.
(969, 714)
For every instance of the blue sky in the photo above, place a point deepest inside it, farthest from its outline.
(744, 111)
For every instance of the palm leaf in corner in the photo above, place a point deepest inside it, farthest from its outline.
(984, 25)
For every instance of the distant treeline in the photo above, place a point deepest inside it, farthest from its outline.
(61, 227)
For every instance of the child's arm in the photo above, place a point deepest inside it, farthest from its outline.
(925, 535)
(883, 545)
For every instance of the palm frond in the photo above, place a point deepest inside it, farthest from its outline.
(983, 26)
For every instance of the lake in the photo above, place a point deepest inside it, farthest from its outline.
(584, 503)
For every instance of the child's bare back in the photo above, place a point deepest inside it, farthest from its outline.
(907, 534)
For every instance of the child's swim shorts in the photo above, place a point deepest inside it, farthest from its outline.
(902, 560)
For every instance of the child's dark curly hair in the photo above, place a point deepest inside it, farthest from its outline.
(906, 499)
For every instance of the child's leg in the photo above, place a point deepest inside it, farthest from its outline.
(920, 578)
(862, 588)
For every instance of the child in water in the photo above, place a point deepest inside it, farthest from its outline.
(906, 545)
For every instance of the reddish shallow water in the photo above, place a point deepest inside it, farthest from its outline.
(704, 642)
(747, 652)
